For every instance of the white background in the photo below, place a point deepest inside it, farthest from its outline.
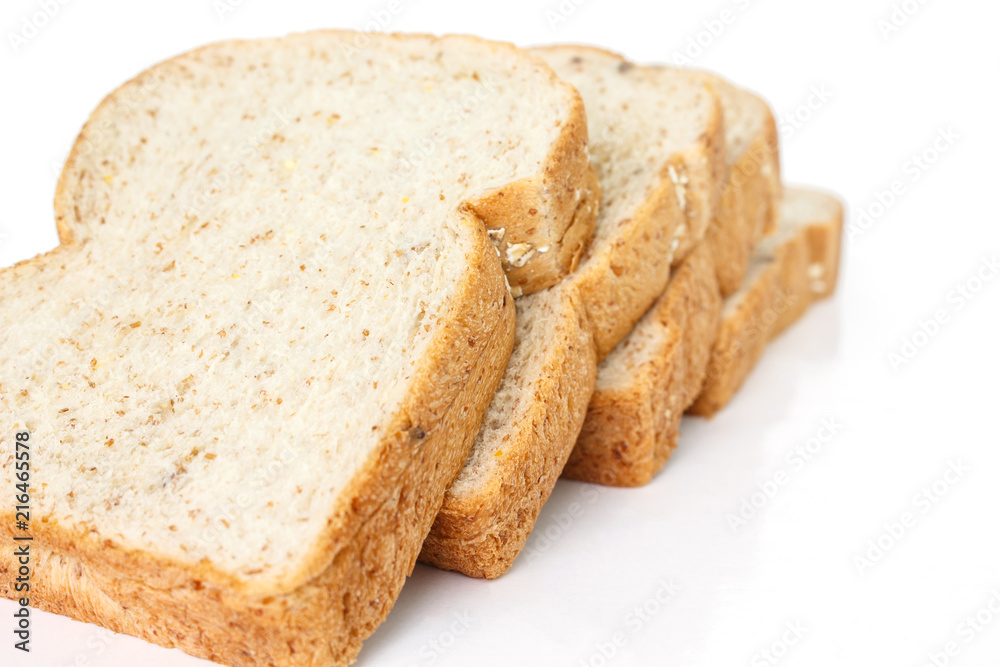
(900, 428)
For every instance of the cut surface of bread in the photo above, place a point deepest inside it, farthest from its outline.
(658, 142)
(541, 220)
(751, 193)
(655, 138)
(646, 383)
(266, 344)
(527, 434)
(788, 272)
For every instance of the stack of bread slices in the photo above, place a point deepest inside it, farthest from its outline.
(318, 313)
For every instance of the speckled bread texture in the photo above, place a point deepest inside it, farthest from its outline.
(321, 622)
(655, 138)
(752, 192)
(658, 141)
(646, 383)
(527, 434)
(542, 222)
(265, 347)
(790, 270)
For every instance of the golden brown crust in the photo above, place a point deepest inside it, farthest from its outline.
(632, 426)
(548, 219)
(324, 621)
(619, 285)
(577, 237)
(705, 168)
(778, 296)
(824, 241)
(772, 187)
(772, 190)
(748, 208)
(740, 342)
(481, 532)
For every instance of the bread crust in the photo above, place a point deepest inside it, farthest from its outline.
(776, 298)
(705, 167)
(742, 338)
(617, 286)
(748, 206)
(550, 216)
(632, 426)
(482, 532)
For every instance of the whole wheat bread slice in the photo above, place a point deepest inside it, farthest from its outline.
(648, 126)
(751, 194)
(657, 139)
(790, 270)
(527, 433)
(266, 344)
(649, 380)
(646, 383)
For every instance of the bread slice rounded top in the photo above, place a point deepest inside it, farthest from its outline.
(440, 106)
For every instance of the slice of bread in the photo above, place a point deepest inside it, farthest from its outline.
(265, 346)
(657, 139)
(788, 272)
(648, 126)
(646, 383)
(527, 434)
(751, 194)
